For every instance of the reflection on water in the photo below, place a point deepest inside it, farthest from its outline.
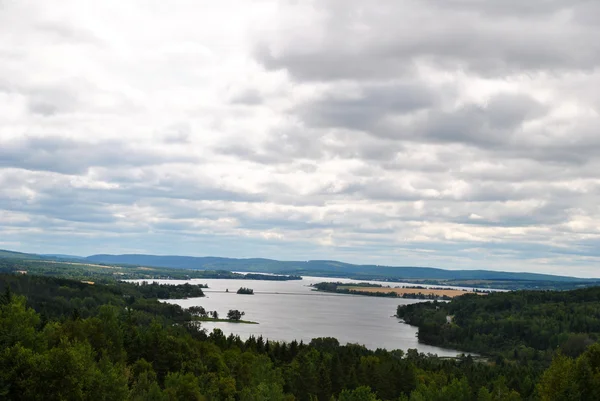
(288, 310)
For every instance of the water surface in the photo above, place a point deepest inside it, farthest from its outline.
(290, 310)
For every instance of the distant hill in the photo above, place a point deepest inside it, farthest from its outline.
(5, 254)
(325, 268)
(19, 255)
(61, 256)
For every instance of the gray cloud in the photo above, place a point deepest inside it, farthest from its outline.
(50, 101)
(250, 97)
(385, 41)
(65, 31)
(363, 112)
(70, 156)
(445, 133)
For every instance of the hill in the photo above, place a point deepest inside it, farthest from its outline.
(19, 255)
(325, 268)
(61, 256)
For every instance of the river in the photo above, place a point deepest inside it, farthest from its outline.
(290, 310)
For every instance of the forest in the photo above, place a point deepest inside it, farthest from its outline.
(521, 325)
(62, 339)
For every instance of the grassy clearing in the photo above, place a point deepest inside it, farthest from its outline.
(401, 291)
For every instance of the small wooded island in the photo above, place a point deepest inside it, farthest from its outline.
(245, 291)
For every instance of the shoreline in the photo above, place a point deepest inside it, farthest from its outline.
(210, 319)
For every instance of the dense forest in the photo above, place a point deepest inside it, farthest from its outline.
(67, 340)
(522, 325)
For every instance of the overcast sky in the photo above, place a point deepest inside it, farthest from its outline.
(447, 133)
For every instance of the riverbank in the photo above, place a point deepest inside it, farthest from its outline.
(210, 319)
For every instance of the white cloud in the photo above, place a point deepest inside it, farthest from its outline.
(446, 133)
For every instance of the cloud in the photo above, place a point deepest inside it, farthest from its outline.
(362, 111)
(72, 156)
(349, 41)
(458, 134)
(249, 97)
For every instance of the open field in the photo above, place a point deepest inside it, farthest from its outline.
(82, 264)
(401, 291)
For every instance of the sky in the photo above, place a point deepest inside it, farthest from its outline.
(444, 133)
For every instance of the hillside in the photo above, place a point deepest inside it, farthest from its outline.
(327, 268)
(515, 323)
(322, 268)
(18, 255)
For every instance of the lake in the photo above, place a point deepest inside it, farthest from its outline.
(290, 310)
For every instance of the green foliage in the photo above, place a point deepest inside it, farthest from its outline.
(360, 394)
(182, 387)
(524, 325)
(17, 323)
(235, 314)
(245, 291)
(168, 291)
(572, 379)
(123, 346)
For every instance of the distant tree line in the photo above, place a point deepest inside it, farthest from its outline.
(271, 277)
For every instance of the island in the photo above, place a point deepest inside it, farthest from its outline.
(245, 291)
(378, 290)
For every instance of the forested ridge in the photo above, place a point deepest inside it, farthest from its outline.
(111, 267)
(80, 270)
(518, 324)
(66, 340)
(332, 268)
